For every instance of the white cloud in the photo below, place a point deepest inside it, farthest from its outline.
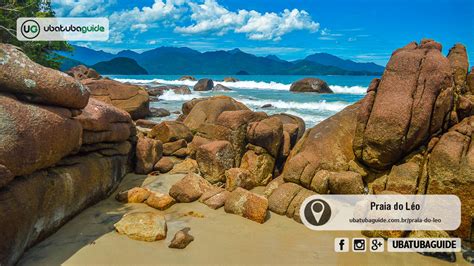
(147, 17)
(74, 8)
(206, 17)
(212, 17)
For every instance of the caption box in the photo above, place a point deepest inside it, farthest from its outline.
(381, 212)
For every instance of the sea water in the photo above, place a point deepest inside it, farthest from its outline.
(256, 91)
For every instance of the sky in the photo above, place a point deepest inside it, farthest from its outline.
(360, 30)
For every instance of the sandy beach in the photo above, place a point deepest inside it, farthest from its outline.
(220, 238)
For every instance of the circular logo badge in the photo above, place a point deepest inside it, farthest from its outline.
(315, 212)
(30, 29)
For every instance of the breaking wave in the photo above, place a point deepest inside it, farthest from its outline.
(245, 84)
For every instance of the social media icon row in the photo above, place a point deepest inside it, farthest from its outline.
(359, 244)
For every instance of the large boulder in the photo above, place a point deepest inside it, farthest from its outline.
(294, 125)
(82, 72)
(470, 81)
(310, 85)
(239, 177)
(214, 198)
(214, 159)
(149, 152)
(267, 133)
(208, 110)
(326, 146)
(181, 239)
(188, 78)
(247, 204)
(164, 165)
(171, 147)
(189, 188)
(287, 199)
(451, 170)
(131, 98)
(170, 131)
(409, 104)
(457, 57)
(346, 182)
(36, 206)
(220, 87)
(103, 122)
(33, 137)
(259, 163)
(236, 123)
(33, 82)
(143, 226)
(204, 85)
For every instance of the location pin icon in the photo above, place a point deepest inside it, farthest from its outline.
(317, 209)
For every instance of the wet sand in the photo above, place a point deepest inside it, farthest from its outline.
(220, 238)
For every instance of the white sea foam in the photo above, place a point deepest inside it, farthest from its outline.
(169, 95)
(348, 89)
(319, 105)
(247, 84)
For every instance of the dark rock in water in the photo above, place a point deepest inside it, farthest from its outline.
(83, 72)
(182, 90)
(204, 85)
(159, 112)
(155, 91)
(447, 256)
(310, 85)
(158, 91)
(188, 78)
(181, 239)
(268, 105)
(242, 72)
(220, 87)
(230, 79)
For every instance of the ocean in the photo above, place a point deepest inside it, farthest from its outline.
(258, 90)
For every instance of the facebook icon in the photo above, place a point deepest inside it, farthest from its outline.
(341, 244)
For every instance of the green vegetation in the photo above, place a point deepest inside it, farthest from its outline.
(39, 51)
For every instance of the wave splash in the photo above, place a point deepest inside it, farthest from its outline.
(246, 84)
(319, 105)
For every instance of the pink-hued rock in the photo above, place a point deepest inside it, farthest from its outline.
(189, 188)
(214, 159)
(149, 152)
(34, 137)
(35, 83)
(407, 106)
(247, 204)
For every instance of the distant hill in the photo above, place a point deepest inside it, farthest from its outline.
(86, 55)
(331, 60)
(183, 60)
(119, 66)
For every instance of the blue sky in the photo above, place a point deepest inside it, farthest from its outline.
(360, 30)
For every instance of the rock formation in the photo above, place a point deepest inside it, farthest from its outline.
(310, 85)
(60, 150)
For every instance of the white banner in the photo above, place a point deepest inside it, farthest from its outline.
(381, 212)
(424, 245)
(62, 29)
